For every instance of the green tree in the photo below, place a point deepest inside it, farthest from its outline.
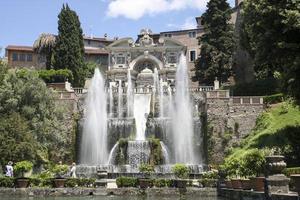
(270, 32)
(26, 100)
(69, 49)
(44, 46)
(16, 140)
(217, 44)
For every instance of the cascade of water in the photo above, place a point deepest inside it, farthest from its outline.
(112, 154)
(138, 152)
(129, 94)
(165, 152)
(170, 105)
(120, 100)
(155, 87)
(111, 101)
(140, 111)
(182, 120)
(161, 99)
(94, 137)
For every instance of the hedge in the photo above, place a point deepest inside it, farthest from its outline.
(8, 182)
(293, 170)
(126, 181)
(55, 76)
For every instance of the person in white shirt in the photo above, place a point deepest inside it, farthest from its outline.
(73, 170)
(9, 169)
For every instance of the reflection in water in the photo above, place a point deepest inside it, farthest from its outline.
(113, 198)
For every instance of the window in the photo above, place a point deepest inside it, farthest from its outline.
(120, 59)
(168, 35)
(15, 57)
(172, 58)
(22, 57)
(89, 42)
(29, 57)
(192, 34)
(192, 56)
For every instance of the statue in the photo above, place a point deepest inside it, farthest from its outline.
(146, 40)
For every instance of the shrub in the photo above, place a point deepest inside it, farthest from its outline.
(273, 99)
(293, 170)
(206, 182)
(253, 163)
(180, 170)
(60, 170)
(159, 182)
(71, 182)
(7, 182)
(146, 169)
(210, 175)
(22, 167)
(86, 182)
(55, 76)
(126, 181)
(170, 182)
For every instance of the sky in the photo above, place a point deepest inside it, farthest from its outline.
(21, 21)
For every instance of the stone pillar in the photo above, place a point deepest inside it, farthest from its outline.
(276, 181)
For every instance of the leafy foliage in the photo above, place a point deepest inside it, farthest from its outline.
(277, 128)
(270, 32)
(7, 182)
(156, 155)
(181, 170)
(217, 44)
(126, 181)
(146, 169)
(60, 170)
(23, 166)
(56, 76)
(44, 45)
(31, 123)
(69, 49)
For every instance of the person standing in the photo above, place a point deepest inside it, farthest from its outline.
(73, 170)
(9, 169)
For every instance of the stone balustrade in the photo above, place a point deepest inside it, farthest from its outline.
(254, 100)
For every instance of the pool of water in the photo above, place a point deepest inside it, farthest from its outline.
(110, 198)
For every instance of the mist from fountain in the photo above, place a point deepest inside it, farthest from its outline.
(129, 94)
(120, 100)
(182, 119)
(94, 138)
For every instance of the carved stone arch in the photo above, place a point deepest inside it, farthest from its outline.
(149, 58)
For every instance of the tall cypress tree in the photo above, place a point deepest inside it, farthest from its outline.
(69, 49)
(217, 44)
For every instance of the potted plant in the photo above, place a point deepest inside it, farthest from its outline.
(181, 172)
(60, 171)
(254, 162)
(23, 170)
(233, 170)
(147, 170)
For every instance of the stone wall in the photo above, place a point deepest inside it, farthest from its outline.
(230, 119)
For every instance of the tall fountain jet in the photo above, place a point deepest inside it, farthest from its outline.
(182, 120)
(94, 138)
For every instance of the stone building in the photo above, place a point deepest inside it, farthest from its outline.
(24, 56)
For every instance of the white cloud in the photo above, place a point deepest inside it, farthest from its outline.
(189, 23)
(135, 9)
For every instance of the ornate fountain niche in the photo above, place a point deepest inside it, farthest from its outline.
(148, 99)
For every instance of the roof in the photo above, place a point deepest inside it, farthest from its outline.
(98, 39)
(19, 48)
(88, 50)
(185, 30)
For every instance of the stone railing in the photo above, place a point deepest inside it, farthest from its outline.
(248, 100)
(64, 95)
(80, 90)
(217, 94)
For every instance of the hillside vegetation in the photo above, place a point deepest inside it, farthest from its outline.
(278, 128)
